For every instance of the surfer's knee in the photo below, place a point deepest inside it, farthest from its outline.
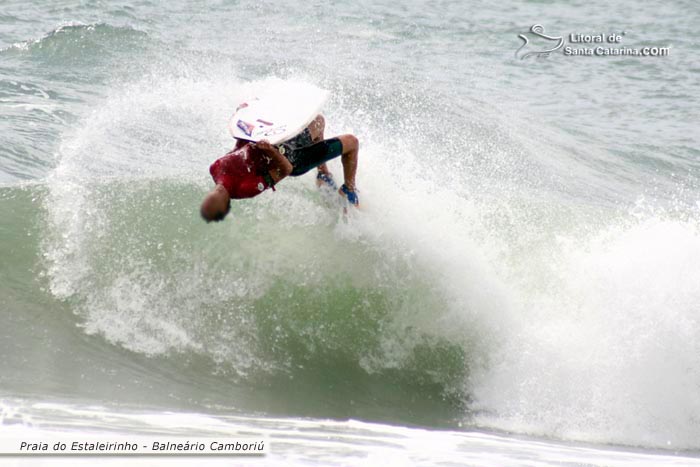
(319, 122)
(317, 127)
(350, 143)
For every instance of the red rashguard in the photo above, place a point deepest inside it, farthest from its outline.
(241, 173)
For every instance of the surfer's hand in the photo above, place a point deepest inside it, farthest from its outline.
(278, 165)
(268, 151)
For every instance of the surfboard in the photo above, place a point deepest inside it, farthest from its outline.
(278, 114)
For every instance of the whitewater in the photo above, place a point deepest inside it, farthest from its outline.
(520, 287)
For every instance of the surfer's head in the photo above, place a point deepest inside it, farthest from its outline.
(216, 205)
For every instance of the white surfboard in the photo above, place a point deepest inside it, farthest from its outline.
(278, 114)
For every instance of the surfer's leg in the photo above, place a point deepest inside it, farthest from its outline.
(316, 129)
(299, 146)
(305, 159)
(323, 169)
(349, 159)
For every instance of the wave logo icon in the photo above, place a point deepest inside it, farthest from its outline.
(549, 44)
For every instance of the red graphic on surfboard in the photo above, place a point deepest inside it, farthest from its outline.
(245, 127)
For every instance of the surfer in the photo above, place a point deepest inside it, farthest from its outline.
(251, 168)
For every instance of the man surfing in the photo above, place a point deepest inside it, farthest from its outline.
(251, 168)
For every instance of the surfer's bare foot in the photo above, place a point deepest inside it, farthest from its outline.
(350, 195)
(325, 179)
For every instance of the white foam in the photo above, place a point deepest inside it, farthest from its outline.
(591, 337)
(303, 442)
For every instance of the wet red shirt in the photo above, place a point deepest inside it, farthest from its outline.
(241, 172)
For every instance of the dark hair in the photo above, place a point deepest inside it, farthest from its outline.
(219, 215)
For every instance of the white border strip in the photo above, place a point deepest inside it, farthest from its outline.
(119, 445)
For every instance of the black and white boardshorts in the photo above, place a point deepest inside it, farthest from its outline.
(304, 154)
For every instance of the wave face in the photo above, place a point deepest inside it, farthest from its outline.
(510, 269)
(288, 289)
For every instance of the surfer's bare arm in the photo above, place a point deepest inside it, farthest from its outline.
(278, 165)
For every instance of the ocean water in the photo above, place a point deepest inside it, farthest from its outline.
(521, 286)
